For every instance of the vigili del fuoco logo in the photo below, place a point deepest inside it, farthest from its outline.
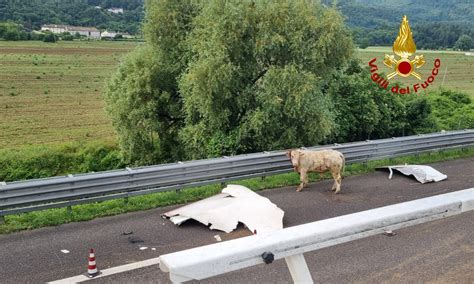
(402, 65)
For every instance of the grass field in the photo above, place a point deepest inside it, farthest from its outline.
(51, 93)
(458, 67)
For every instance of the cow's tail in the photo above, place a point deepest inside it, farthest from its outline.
(343, 165)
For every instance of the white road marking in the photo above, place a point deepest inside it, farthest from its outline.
(110, 271)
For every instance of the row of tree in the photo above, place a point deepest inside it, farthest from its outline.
(426, 36)
(32, 14)
(13, 32)
(436, 25)
(228, 77)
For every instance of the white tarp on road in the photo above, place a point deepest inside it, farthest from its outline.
(225, 210)
(422, 174)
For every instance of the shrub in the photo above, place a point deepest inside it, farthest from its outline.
(47, 161)
(50, 37)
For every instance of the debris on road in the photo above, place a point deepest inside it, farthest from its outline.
(143, 248)
(127, 233)
(225, 210)
(422, 173)
(64, 251)
(135, 240)
(389, 233)
(218, 238)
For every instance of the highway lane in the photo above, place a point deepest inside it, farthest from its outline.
(439, 252)
(35, 256)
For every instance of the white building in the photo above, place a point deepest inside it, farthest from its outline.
(115, 10)
(106, 34)
(112, 35)
(89, 32)
(55, 29)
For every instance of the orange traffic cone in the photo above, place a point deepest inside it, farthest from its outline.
(92, 268)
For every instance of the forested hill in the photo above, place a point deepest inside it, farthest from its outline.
(377, 13)
(31, 14)
(435, 23)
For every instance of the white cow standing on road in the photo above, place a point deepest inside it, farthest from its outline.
(305, 161)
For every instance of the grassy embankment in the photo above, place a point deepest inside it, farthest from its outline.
(86, 212)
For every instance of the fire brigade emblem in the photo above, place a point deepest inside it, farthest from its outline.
(404, 46)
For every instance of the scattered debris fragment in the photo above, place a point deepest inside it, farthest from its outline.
(143, 248)
(127, 233)
(218, 238)
(153, 248)
(422, 173)
(389, 233)
(133, 240)
(225, 210)
(64, 251)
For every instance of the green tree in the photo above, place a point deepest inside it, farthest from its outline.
(364, 43)
(11, 31)
(463, 43)
(452, 110)
(256, 76)
(50, 37)
(142, 97)
(225, 77)
(366, 111)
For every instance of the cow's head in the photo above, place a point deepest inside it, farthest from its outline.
(294, 156)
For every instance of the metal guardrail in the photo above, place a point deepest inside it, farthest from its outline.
(38, 194)
(290, 243)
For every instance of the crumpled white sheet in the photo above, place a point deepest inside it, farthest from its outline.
(422, 173)
(225, 210)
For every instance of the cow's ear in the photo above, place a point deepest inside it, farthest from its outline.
(288, 153)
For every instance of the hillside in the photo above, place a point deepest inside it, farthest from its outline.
(377, 13)
(33, 14)
(435, 24)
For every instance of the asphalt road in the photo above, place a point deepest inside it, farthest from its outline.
(441, 251)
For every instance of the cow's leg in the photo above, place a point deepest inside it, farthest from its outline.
(303, 180)
(337, 180)
(334, 185)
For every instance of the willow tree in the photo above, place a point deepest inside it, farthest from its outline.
(228, 76)
(142, 96)
(255, 81)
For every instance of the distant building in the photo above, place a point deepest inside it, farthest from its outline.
(106, 34)
(128, 36)
(115, 10)
(89, 32)
(112, 35)
(55, 29)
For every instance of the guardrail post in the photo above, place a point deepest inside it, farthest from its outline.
(69, 209)
(2, 219)
(298, 269)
